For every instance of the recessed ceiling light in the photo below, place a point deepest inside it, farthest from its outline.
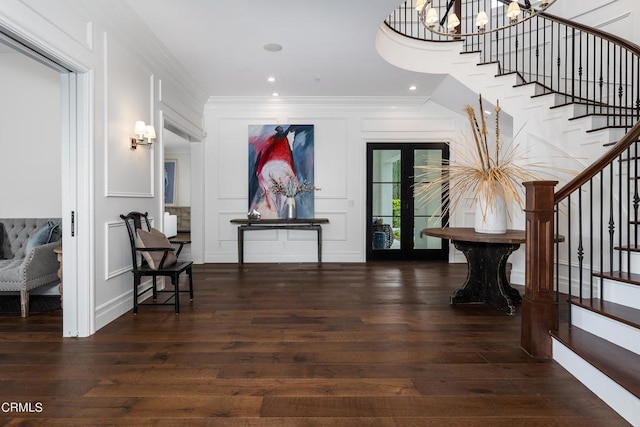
(275, 94)
(272, 47)
(271, 79)
(413, 87)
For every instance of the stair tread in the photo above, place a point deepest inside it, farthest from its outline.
(621, 276)
(603, 114)
(626, 248)
(621, 313)
(619, 364)
(610, 127)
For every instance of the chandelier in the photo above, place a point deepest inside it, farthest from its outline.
(495, 19)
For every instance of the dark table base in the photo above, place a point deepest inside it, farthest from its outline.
(487, 278)
(313, 224)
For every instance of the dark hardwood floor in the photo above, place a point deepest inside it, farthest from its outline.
(294, 345)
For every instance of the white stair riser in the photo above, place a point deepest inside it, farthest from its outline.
(630, 264)
(621, 293)
(618, 333)
(618, 398)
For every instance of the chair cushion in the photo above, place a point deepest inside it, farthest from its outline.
(155, 239)
(50, 232)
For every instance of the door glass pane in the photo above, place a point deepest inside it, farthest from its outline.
(426, 213)
(386, 188)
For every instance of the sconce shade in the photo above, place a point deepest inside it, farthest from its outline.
(514, 10)
(140, 129)
(482, 20)
(432, 17)
(150, 133)
(453, 22)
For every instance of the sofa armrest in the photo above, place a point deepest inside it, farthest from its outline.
(42, 261)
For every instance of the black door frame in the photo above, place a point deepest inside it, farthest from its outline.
(406, 251)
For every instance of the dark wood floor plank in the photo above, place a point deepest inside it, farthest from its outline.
(427, 406)
(255, 387)
(289, 345)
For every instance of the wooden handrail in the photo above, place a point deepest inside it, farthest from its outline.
(591, 171)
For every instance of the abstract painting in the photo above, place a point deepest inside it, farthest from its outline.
(170, 172)
(281, 161)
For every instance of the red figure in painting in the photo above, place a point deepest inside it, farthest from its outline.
(274, 161)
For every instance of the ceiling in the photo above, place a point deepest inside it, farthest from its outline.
(328, 46)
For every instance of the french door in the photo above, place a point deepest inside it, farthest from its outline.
(395, 217)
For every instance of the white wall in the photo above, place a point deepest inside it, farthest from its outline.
(130, 77)
(30, 139)
(343, 126)
(619, 17)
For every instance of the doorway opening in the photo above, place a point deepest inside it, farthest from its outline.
(73, 85)
(395, 217)
(177, 185)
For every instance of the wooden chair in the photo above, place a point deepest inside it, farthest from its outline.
(134, 222)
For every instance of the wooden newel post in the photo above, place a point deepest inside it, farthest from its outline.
(539, 306)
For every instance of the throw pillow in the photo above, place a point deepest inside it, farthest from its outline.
(50, 232)
(155, 239)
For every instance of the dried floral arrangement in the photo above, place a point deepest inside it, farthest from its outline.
(484, 169)
(289, 186)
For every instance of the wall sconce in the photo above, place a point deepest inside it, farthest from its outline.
(142, 131)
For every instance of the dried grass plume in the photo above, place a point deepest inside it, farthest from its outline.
(483, 168)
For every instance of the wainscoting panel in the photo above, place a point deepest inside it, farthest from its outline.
(129, 173)
(117, 250)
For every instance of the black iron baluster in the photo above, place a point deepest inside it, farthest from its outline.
(626, 92)
(544, 55)
(591, 245)
(580, 246)
(628, 221)
(580, 68)
(569, 275)
(566, 60)
(601, 81)
(537, 18)
(557, 254)
(612, 225)
(620, 205)
(573, 65)
(638, 89)
(636, 196)
(601, 228)
(559, 61)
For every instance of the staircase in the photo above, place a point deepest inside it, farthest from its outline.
(569, 103)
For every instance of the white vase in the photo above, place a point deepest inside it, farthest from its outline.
(291, 208)
(491, 215)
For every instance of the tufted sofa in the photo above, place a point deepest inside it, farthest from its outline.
(24, 273)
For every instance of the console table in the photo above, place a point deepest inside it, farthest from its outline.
(487, 256)
(278, 224)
